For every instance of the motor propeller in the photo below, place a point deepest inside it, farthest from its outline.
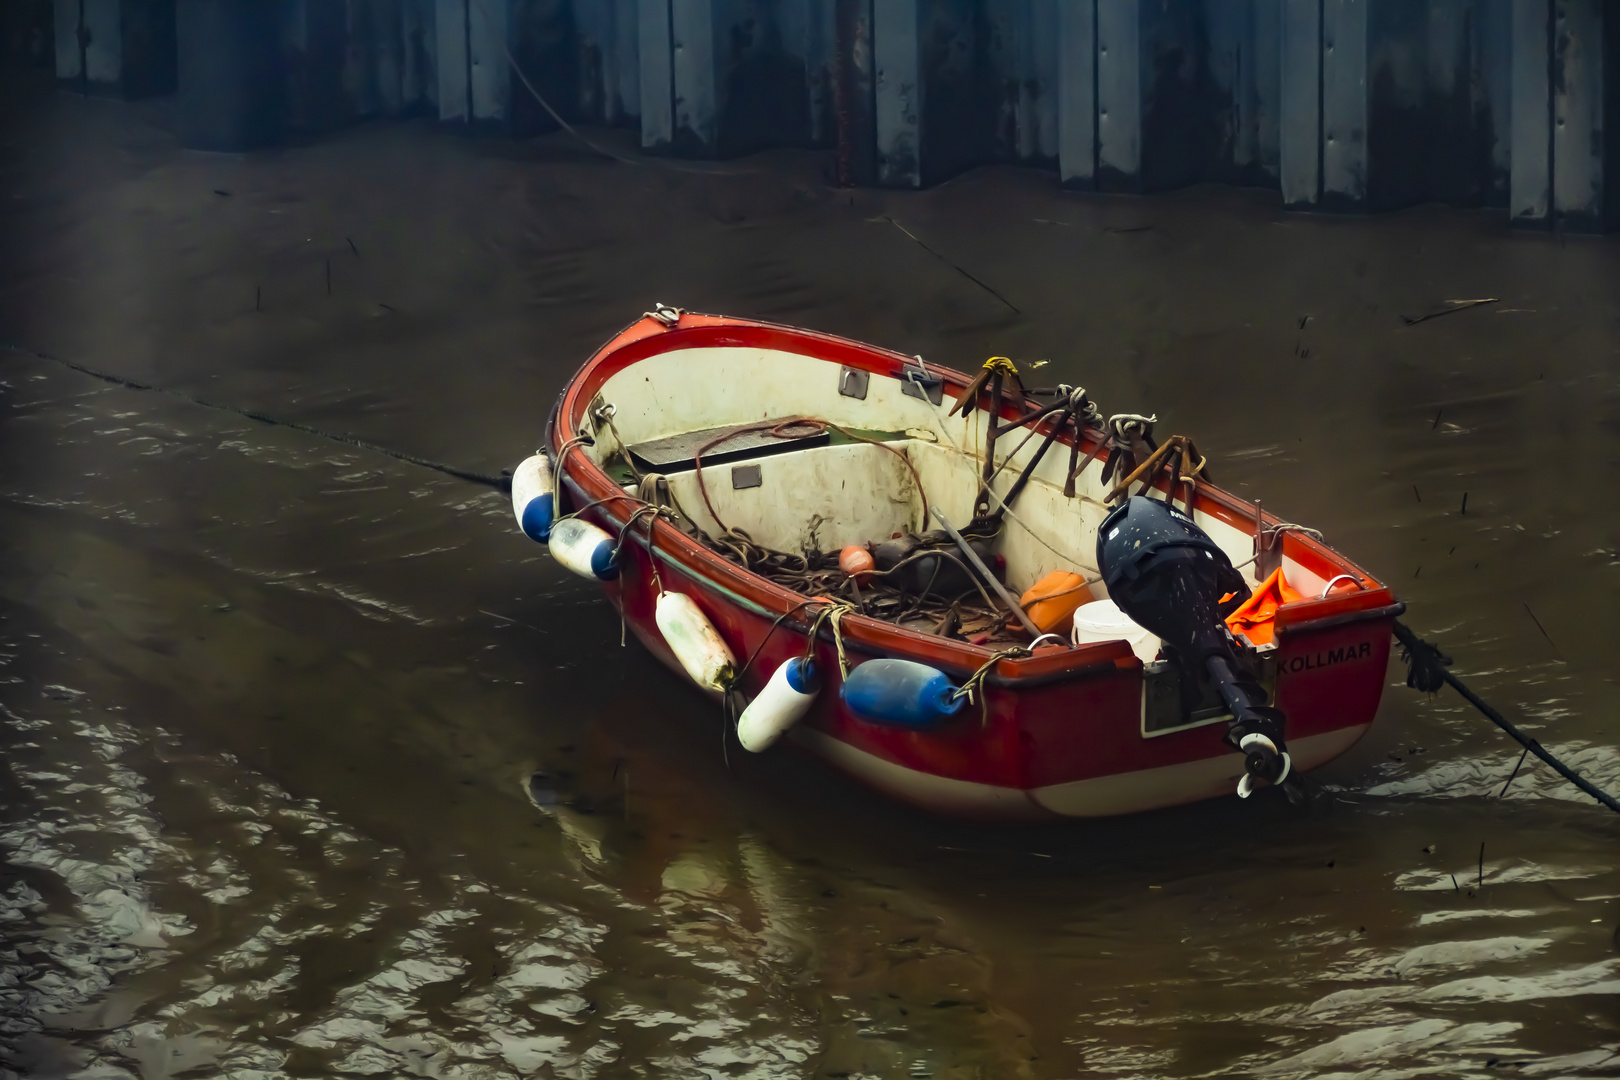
(1168, 576)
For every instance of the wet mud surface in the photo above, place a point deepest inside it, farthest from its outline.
(269, 704)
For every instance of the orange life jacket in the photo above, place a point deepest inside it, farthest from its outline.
(1256, 618)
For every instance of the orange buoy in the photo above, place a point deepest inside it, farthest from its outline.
(1051, 601)
(857, 562)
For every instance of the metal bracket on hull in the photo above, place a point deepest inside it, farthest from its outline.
(915, 381)
(852, 382)
(664, 314)
(1164, 711)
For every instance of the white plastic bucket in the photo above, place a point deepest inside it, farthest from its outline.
(1101, 620)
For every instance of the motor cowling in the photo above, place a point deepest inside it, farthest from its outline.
(1168, 575)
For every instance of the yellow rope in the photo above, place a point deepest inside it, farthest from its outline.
(832, 615)
(975, 682)
(1002, 364)
(834, 620)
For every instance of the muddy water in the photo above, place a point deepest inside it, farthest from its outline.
(269, 702)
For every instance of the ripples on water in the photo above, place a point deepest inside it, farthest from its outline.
(271, 709)
(271, 939)
(170, 909)
(281, 940)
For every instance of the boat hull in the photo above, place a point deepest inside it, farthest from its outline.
(1061, 734)
(1032, 749)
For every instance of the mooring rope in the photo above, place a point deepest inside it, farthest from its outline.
(500, 483)
(1427, 671)
(517, 69)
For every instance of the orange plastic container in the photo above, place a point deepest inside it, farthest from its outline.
(1051, 601)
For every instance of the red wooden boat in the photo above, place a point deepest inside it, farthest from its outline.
(1071, 730)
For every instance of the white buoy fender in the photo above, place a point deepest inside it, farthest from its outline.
(694, 641)
(787, 696)
(532, 497)
(584, 549)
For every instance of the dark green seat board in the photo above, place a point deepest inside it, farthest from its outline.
(665, 455)
(678, 453)
(841, 439)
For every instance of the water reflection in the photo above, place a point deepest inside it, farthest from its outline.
(174, 909)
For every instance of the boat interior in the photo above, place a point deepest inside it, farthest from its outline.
(864, 458)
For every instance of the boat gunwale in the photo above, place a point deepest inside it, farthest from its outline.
(591, 487)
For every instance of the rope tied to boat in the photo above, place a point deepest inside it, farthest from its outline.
(1002, 365)
(665, 314)
(1271, 535)
(502, 482)
(1429, 670)
(1085, 411)
(985, 488)
(1123, 425)
(1425, 663)
(605, 413)
(617, 496)
(974, 684)
(1289, 526)
(1126, 436)
(651, 512)
(832, 615)
(579, 439)
(997, 370)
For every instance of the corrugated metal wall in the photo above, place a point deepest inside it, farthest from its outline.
(1338, 104)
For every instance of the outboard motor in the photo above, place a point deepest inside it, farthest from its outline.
(1168, 575)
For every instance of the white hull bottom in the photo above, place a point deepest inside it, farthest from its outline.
(1101, 796)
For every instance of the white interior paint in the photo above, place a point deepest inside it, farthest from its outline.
(844, 494)
(819, 499)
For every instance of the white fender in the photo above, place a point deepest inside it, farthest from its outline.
(584, 549)
(787, 696)
(694, 641)
(533, 498)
